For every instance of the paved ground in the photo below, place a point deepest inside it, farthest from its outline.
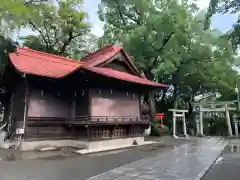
(186, 162)
(228, 165)
(77, 167)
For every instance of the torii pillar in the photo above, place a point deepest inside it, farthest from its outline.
(235, 121)
(179, 113)
(201, 121)
(228, 121)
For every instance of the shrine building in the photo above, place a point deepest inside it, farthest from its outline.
(51, 100)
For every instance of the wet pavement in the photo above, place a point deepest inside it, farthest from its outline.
(186, 162)
(55, 166)
(228, 164)
(169, 152)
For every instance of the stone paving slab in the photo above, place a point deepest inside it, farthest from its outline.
(183, 162)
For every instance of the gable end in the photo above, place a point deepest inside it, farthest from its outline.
(120, 63)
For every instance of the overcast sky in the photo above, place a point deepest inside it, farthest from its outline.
(221, 22)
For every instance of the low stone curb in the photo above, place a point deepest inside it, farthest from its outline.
(90, 151)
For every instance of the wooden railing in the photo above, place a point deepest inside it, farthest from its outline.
(90, 120)
(92, 128)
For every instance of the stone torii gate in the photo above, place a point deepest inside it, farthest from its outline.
(179, 114)
(222, 106)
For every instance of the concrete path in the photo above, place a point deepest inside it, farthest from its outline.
(185, 162)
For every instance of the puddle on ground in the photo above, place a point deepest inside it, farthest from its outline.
(235, 148)
(56, 157)
(152, 147)
(104, 153)
(230, 151)
(11, 157)
(14, 157)
(47, 155)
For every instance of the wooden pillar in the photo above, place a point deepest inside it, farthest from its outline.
(228, 120)
(73, 106)
(25, 114)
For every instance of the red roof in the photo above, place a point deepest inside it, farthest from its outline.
(123, 76)
(38, 63)
(106, 53)
(42, 64)
(101, 55)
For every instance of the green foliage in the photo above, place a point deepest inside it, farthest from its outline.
(215, 126)
(60, 27)
(155, 131)
(6, 46)
(169, 45)
(165, 38)
(17, 13)
(226, 6)
(57, 27)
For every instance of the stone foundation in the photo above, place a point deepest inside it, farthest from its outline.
(86, 146)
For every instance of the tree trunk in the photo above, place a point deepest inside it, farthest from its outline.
(175, 101)
(151, 100)
(163, 96)
(151, 97)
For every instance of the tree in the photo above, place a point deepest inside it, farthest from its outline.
(225, 6)
(169, 45)
(16, 13)
(143, 30)
(81, 47)
(58, 27)
(7, 46)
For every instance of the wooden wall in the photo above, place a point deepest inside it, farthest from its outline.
(46, 130)
(17, 114)
(118, 65)
(46, 103)
(49, 108)
(114, 132)
(82, 103)
(106, 102)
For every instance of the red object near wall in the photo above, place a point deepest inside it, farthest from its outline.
(160, 115)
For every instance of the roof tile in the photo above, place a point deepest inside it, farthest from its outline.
(42, 64)
(106, 53)
(124, 76)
